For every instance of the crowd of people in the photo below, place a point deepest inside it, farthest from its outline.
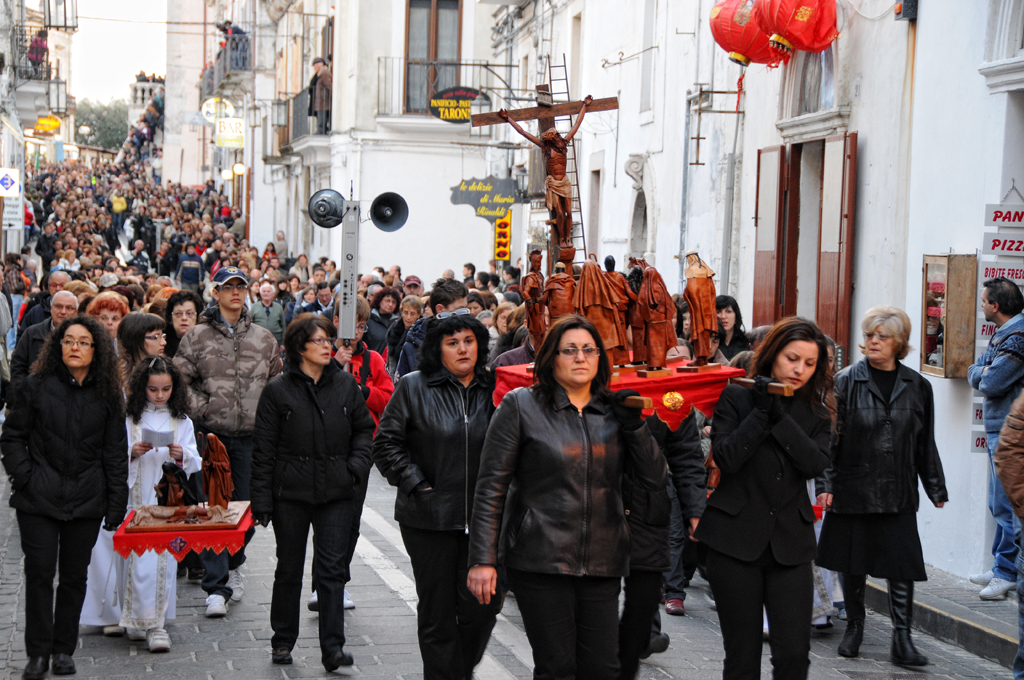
(562, 496)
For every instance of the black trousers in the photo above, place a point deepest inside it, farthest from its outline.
(742, 590)
(453, 628)
(49, 546)
(331, 523)
(572, 624)
(353, 536)
(643, 592)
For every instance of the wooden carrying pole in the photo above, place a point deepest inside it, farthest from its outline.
(781, 389)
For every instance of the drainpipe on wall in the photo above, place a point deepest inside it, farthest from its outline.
(690, 96)
(730, 192)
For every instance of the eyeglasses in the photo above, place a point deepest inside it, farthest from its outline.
(84, 344)
(589, 352)
(228, 287)
(322, 342)
(183, 315)
(156, 338)
(441, 316)
(881, 337)
(362, 328)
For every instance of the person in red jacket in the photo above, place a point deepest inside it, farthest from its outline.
(370, 371)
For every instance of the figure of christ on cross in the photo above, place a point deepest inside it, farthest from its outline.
(557, 186)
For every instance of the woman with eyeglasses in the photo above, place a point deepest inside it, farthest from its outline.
(65, 449)
(885, 443)
(548, 503)
(182, 312)
(311, 454)
(428, 445)
(140, 335)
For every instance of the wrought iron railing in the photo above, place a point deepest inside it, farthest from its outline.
(31, 53)
(300, 123)
(234, 57)
(405, 86)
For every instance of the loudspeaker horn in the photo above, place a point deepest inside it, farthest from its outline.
(327, 208)
(389, 211)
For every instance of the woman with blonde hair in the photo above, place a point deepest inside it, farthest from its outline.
(884, 443)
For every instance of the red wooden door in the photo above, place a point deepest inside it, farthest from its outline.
(835, 260)
(768, 218)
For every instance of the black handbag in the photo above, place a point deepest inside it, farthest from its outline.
(174, 489)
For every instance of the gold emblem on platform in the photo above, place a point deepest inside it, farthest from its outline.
(673, 401)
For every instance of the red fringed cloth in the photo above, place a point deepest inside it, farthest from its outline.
(179, 543)
(698, 390)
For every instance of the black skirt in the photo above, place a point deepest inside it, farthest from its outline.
(880, 545)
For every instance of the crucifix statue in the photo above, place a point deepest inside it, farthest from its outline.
(557, 184)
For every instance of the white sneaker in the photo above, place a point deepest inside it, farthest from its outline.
(981, 579)
(113, 631)
(158, 640)
(997, 589)
(216, 607)
(136, 634)
(346, 601)
(313, 604)
(235, 583)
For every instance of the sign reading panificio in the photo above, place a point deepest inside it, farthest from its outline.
(454, 104)
(1004, 215)
(230, 133)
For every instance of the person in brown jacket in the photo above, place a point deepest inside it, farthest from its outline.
(320, 96)
(1009, 463)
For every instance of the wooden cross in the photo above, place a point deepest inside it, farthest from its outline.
(546, 114)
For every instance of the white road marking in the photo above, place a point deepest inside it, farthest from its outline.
(385, 528)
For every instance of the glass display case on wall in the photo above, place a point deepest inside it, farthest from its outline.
(948, 313)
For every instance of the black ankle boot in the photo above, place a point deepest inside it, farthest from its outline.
(850, 646)
(901, 608)
(36, 668)
(853, 594)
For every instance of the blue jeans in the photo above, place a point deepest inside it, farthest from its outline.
(1004, 546)
(1018, 661)
(217, 565)
(12, 335)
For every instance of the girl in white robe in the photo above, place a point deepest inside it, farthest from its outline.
(157, 400)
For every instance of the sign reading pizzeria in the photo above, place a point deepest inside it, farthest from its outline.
(491, 197)
(454, 104)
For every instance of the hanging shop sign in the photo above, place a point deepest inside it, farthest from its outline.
(10, 182)
(47, 124)
(230, 133)
(1004, 215)
(491, 197)
(1003, 244)
(216, 107)
(454, 104)
(503, 238)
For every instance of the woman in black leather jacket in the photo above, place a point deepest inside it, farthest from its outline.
(550, 486)
(759, 524)
(428, 445)
(885, 441)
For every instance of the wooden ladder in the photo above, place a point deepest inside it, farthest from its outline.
(558, 80)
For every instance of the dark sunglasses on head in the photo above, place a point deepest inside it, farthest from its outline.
(441, 316)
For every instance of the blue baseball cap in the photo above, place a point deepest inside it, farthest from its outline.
(225, 274)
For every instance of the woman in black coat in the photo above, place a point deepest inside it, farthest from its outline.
(428, 445)
(549, 505)
(885, 442)
(65, 449)
(311, 450)
(759, 524)
(383, 313)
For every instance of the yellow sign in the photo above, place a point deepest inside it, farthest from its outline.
(47, 124)
(230, 133)
(215, 106)
(503, 237)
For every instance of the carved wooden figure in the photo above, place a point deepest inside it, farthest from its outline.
(598, 301)
(559, 292)
(532, 289)
(626, 298)
(700, 295)
(659, 314)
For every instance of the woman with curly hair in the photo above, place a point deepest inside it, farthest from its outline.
(65, 449)
(157, 405)
(109, 308)
(383, 310)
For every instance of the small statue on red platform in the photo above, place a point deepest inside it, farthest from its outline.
(659, 314)
(626, 297)
(634, 280)
(598, 301)
(700, 295)
(532, 290)
(559, 292)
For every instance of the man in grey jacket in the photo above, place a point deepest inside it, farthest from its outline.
(268, 313)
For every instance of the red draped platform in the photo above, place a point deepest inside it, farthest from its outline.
(179, 543)
(698, 390)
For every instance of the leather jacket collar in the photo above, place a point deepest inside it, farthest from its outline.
(860, 373)
(562, 401)
(444, 375)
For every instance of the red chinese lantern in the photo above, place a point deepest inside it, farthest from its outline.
(805, 25)
(736, 32)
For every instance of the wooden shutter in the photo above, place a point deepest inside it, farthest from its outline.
(768, 220)
(835, 259)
